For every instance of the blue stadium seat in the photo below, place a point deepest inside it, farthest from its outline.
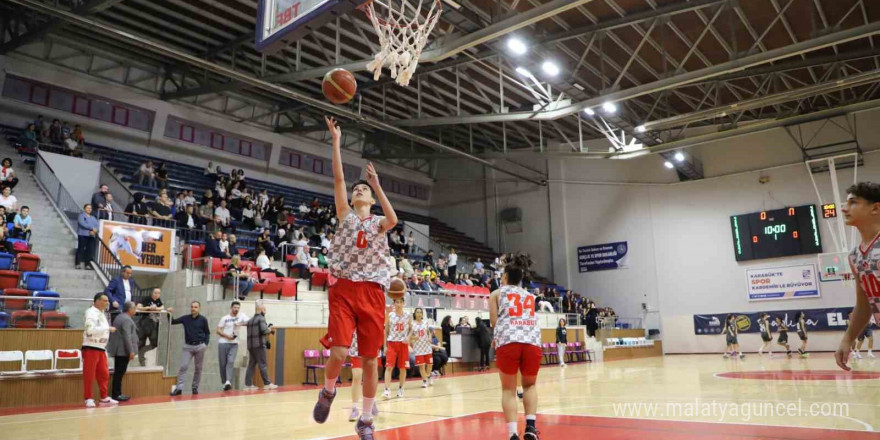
(35, 280)
(6, 261)
(46, 305)
(4, 319)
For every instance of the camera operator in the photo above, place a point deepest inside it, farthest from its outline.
(257, 344)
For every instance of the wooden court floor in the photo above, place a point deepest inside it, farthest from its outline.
(579, 402)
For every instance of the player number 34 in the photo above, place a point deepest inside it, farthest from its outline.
(517, 305)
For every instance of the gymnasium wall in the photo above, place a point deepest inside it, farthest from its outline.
(154, 143)
(680, 248)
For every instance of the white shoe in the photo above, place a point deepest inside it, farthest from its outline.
(871, 355)
(858, 356)
(431, 380)
(386, 394)
(90, 403)
(108, 401)
(250, 388)
(424, 385)
(399, 393)
(563, 365)
(269, 387)
(354, 414)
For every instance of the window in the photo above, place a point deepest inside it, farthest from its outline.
(140, 119)
(120, 115)
(318, 166)
(102, 110)
(187, 133)
(295, 160)
(61, 100)
(259, 152)
(17, 89)
(245, 148)
(39, 95)
(217, 141)
(203, 137)
(82, 106)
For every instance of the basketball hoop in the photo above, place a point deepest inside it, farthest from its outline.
(401, 38)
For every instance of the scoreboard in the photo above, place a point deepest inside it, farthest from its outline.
(776, 233)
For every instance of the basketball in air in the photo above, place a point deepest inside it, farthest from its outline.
(397, 289)
(339, 86)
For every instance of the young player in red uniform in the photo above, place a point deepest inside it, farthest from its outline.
(357, 298)
(421, 343)
(398, 328)
(517, 344)
(862, 210)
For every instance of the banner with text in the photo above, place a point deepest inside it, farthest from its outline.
(144, 248)
(602, 256)
(830, 319)
(788, 282)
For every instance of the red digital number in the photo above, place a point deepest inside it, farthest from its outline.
(361, 240)
(764, 215)
(516, 310)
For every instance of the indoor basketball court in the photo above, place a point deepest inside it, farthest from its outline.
(679, 190)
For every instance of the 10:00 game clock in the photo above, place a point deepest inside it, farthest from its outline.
(776, 233)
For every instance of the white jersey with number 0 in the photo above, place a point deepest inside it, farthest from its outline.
(517, 321)
(399, 327)
(422, 334)
(359, 250)
(865, 263)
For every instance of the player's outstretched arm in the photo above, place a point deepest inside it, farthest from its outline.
(861, 318)
(340, 192)
(390, 219)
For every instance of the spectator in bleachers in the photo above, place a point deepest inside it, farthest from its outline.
(429, 258)
(189, 198)
(247, 215)
(495, 282)
(592, 319)
(224, 244)
(301, 258)
(264, 241)
(186, 218)
(322, 258)
(78, 136)
(4, 232)
(10, 202)
(197, 335)
(39, 123)
(160, 210)
(121, 289)
(7, 174)
(123, 346)
(303, 209)
(28, 138)
(478, 266)
(146, 172)
(22, 224)
(223, 213)
(86, 230)
(209, 170)
(313, 259)
(148, 326)
(212, 246)
(237, 277)
(71, 146)
(180, 202)
(206, 211)
(137, 211)
(425, 285)
(95, 335)
(235, 196)
(220, 187)
(65, 129)
(264, 262)
(227, 345)
(413, 283)
(162, 176)
(406, 267)
(453, 262)
(43, 134)
(106, 213)
(55, 135)
(214, 225)
(233, 245)
(100, 197)
(258, 331)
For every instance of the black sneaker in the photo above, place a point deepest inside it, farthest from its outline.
(195, 392)
(227, 387)
(363, 429)
(519, 394)
(514, 437)
(176, 392)
(322, 408)
(531, 433)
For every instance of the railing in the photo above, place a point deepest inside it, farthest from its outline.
(106, 261)
(57, 193)
(146, 220)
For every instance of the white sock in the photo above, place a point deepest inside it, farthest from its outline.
(354, 405)
(511, 428)
(330, 385)
(367, 413)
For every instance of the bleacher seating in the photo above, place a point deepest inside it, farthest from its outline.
(24, 319)
(35, 281)
(27, 263)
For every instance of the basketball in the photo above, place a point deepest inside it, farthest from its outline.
(397, 289)
(339, 86)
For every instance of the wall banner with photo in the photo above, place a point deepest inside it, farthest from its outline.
(144, 248)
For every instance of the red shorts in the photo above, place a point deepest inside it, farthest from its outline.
(514, 357)
(425, 359)
(355, 362)
(397, 355)
(356, 306)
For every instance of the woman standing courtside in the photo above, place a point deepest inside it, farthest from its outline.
(561, 341)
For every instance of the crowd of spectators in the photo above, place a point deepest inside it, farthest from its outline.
(68, 140)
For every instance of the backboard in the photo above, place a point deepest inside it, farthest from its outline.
(282, 22)
(834, 266)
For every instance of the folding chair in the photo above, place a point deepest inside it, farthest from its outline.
(66, 356)
(313, 356)
(13, 356)
(40, 356)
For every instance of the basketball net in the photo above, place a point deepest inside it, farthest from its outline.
(401, 38)
(839, 258)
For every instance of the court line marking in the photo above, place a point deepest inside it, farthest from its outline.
(868, 427)
(440, 419)
(716, 375)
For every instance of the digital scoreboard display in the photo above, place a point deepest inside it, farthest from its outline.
(776, 233)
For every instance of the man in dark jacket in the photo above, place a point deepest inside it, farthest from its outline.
(257, 331)
(212, 246)
(123, 346)
(99, 198)
(197, 335)
(120, 290)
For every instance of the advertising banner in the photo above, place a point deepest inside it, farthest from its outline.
(788, 282)
(602, 256)
(144, 248)
(830, 319)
